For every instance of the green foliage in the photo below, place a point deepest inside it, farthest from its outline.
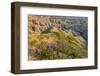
(66, 46)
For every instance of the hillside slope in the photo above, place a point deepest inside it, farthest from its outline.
(54, 37)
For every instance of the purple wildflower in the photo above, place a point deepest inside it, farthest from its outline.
(49, 47)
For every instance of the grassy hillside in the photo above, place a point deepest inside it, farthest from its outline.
(48, 40)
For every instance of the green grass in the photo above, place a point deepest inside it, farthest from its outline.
(66, 45)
